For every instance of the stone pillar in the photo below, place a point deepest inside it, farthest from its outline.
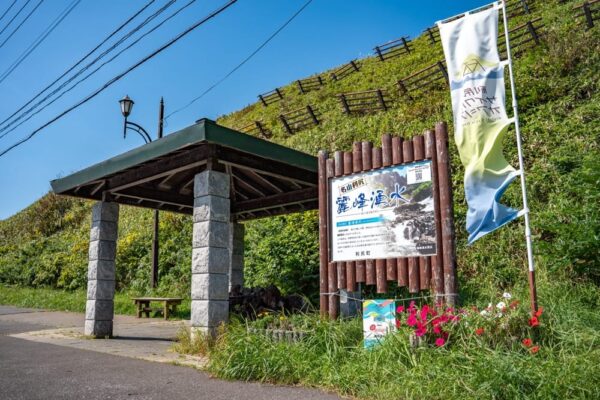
(99, 307)
(236, 269)
(211, 251)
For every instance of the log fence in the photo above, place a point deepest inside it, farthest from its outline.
(424, 79)
(393, 48)
(588, 12)
(270, 97)
(433, 34)
(345, 70)
(299, 119)
(522, 37)
(257, 128)
(310, 84)
(365, 102)
(436, 273)
(517, 8)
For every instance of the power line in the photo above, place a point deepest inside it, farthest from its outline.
(122, 74)
(39, 39)
(7, 10)
(259, 48)
(22, 22)
(85, 68)
(60, 95)
(82, 59)
(14, 16)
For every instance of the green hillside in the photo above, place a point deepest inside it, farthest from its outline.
(557, 83)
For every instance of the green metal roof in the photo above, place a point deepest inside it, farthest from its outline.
(204, 131)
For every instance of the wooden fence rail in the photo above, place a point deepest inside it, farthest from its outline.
(310, 84)
(436, 273)
(433, 34)
(425, 78)
(589, 11)
(345, 70)
(270, 97)
(522, 37)
(365, 102)
(393, 48)
(299, 119)
(516, 8)
(257, 128)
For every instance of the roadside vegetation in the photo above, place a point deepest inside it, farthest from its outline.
(45, 245)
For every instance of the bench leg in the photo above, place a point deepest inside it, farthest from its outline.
(166, 310)
(139, 310)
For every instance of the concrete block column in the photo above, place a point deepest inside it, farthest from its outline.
(211, 251)
(99, 307)
(236, 269)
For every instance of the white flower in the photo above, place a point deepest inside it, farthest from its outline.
(507, 295)
(500, 305)
(485, 313)
(499, 315)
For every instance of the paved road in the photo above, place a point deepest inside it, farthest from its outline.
(33, 370)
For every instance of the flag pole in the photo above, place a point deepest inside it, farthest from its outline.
(530, 262)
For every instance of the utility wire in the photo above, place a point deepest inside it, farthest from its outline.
(39, 39)
(82, 59)
(259, 48)
(22, 22)
(14, 16)
(7, 10)
(98, 68)
(86, 67)
(122, 74)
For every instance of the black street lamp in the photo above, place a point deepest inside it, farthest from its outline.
(126, 107)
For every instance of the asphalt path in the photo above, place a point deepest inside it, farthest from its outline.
(33, 370)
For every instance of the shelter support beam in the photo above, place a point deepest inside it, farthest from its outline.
(211, 251)
(99, 308)
(236, 268)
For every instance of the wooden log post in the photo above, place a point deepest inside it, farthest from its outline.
(323, 234)
(437, 261)
(310, 110)
(405, 44)
(446, 213)
(401, 263)
(424, 262)
(300, 86)
(431, 37)
(332, 273)
(381, 100)
(348, 265)
(345, 106)
(413, 262)
(587, 12)
(443, 70)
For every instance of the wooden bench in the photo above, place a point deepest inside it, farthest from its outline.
(143, 305)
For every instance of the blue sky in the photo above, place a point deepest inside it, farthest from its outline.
(326, 34)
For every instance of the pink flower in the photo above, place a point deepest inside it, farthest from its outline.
(437, 329)
(539, 312)
(400, 309)
(533, 321)
(411, 306)
(421, 331)
(424, 312)
(527, 342)
(412, 320)
(397, 324)
(535, 349)
(439, 342)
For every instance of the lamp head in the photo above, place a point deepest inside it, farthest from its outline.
(126, 106)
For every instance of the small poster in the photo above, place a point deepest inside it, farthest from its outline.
(384, 213)
(379, 319)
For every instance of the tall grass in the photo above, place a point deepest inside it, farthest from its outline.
(332, 357)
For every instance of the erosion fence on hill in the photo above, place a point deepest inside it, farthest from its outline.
(436, 272)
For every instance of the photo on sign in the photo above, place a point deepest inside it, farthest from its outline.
(384, 213)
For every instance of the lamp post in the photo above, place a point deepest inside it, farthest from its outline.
(126, 107)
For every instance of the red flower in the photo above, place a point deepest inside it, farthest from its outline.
(400, 309)
(421, 331)
(539, 312)
(527, 342)
(412, 320)
(533, 321)
(397, 324)
(479, 331)
(535, 349)
(439, 342)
